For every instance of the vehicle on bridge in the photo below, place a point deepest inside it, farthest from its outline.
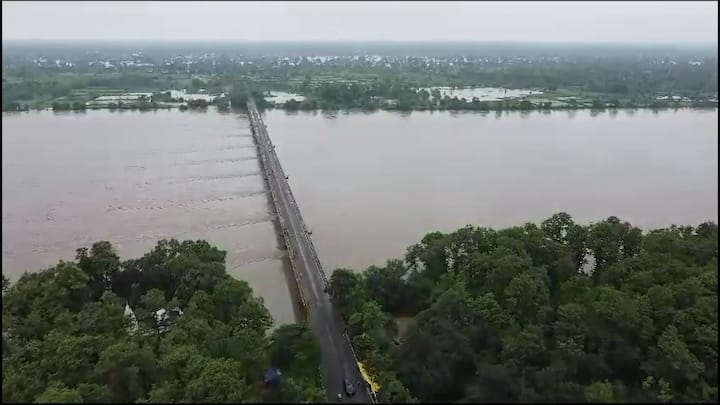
(348, 387)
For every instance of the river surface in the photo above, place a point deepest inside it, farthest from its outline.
(368, 184)
(133, 178)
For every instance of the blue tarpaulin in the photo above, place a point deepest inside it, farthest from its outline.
(272, 375)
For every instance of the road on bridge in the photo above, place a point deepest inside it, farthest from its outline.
(338, 360)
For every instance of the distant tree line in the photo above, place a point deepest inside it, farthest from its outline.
(636, 80)
(393, 94)
(66, 106)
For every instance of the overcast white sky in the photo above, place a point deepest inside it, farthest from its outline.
(656, 22)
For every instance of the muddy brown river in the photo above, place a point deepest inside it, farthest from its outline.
(368, 184)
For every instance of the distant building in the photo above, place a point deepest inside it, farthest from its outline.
(164, 318)
(134, 326)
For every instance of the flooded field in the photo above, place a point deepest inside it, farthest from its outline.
(193, 96)
(484, 93)
(368, 184)
(281, 97)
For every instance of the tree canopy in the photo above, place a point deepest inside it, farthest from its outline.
(195, 334)
(548, 312)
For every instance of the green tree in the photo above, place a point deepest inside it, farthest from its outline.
(612, 240)
(67, 338)
(345, 291)
(599, 392)
(510, 315)
(59, 393)
(294, 348)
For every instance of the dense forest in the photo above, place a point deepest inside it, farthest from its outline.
(555, 312)
(550, 312)
(194, 334)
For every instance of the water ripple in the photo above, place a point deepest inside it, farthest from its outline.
(206, 161)
(69, 245)
(164, 204)
(182, 180)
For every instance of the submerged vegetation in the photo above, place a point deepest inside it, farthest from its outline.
(555, 312)
(171, 326)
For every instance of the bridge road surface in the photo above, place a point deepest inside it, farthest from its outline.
(338, 360)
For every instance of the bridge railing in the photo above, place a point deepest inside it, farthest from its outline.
(357, 364)
(260, 135)
(308, 238)
(302, 222)
(317, 260)
(281, 219)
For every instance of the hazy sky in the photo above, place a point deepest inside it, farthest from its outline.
(655, 22)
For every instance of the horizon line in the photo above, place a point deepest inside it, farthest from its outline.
(403, 41)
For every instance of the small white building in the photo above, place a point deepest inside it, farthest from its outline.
(134, 326)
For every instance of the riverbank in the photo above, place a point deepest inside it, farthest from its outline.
(480, 107)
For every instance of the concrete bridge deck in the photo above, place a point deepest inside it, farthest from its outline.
(338, 357)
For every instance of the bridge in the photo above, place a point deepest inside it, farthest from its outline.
(338, 357)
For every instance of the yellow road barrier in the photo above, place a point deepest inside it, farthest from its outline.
(374, 386)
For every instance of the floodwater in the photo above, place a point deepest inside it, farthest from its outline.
(133, 178)
(281, 97)
(192, 96)
(368, 184)
(484, 93)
